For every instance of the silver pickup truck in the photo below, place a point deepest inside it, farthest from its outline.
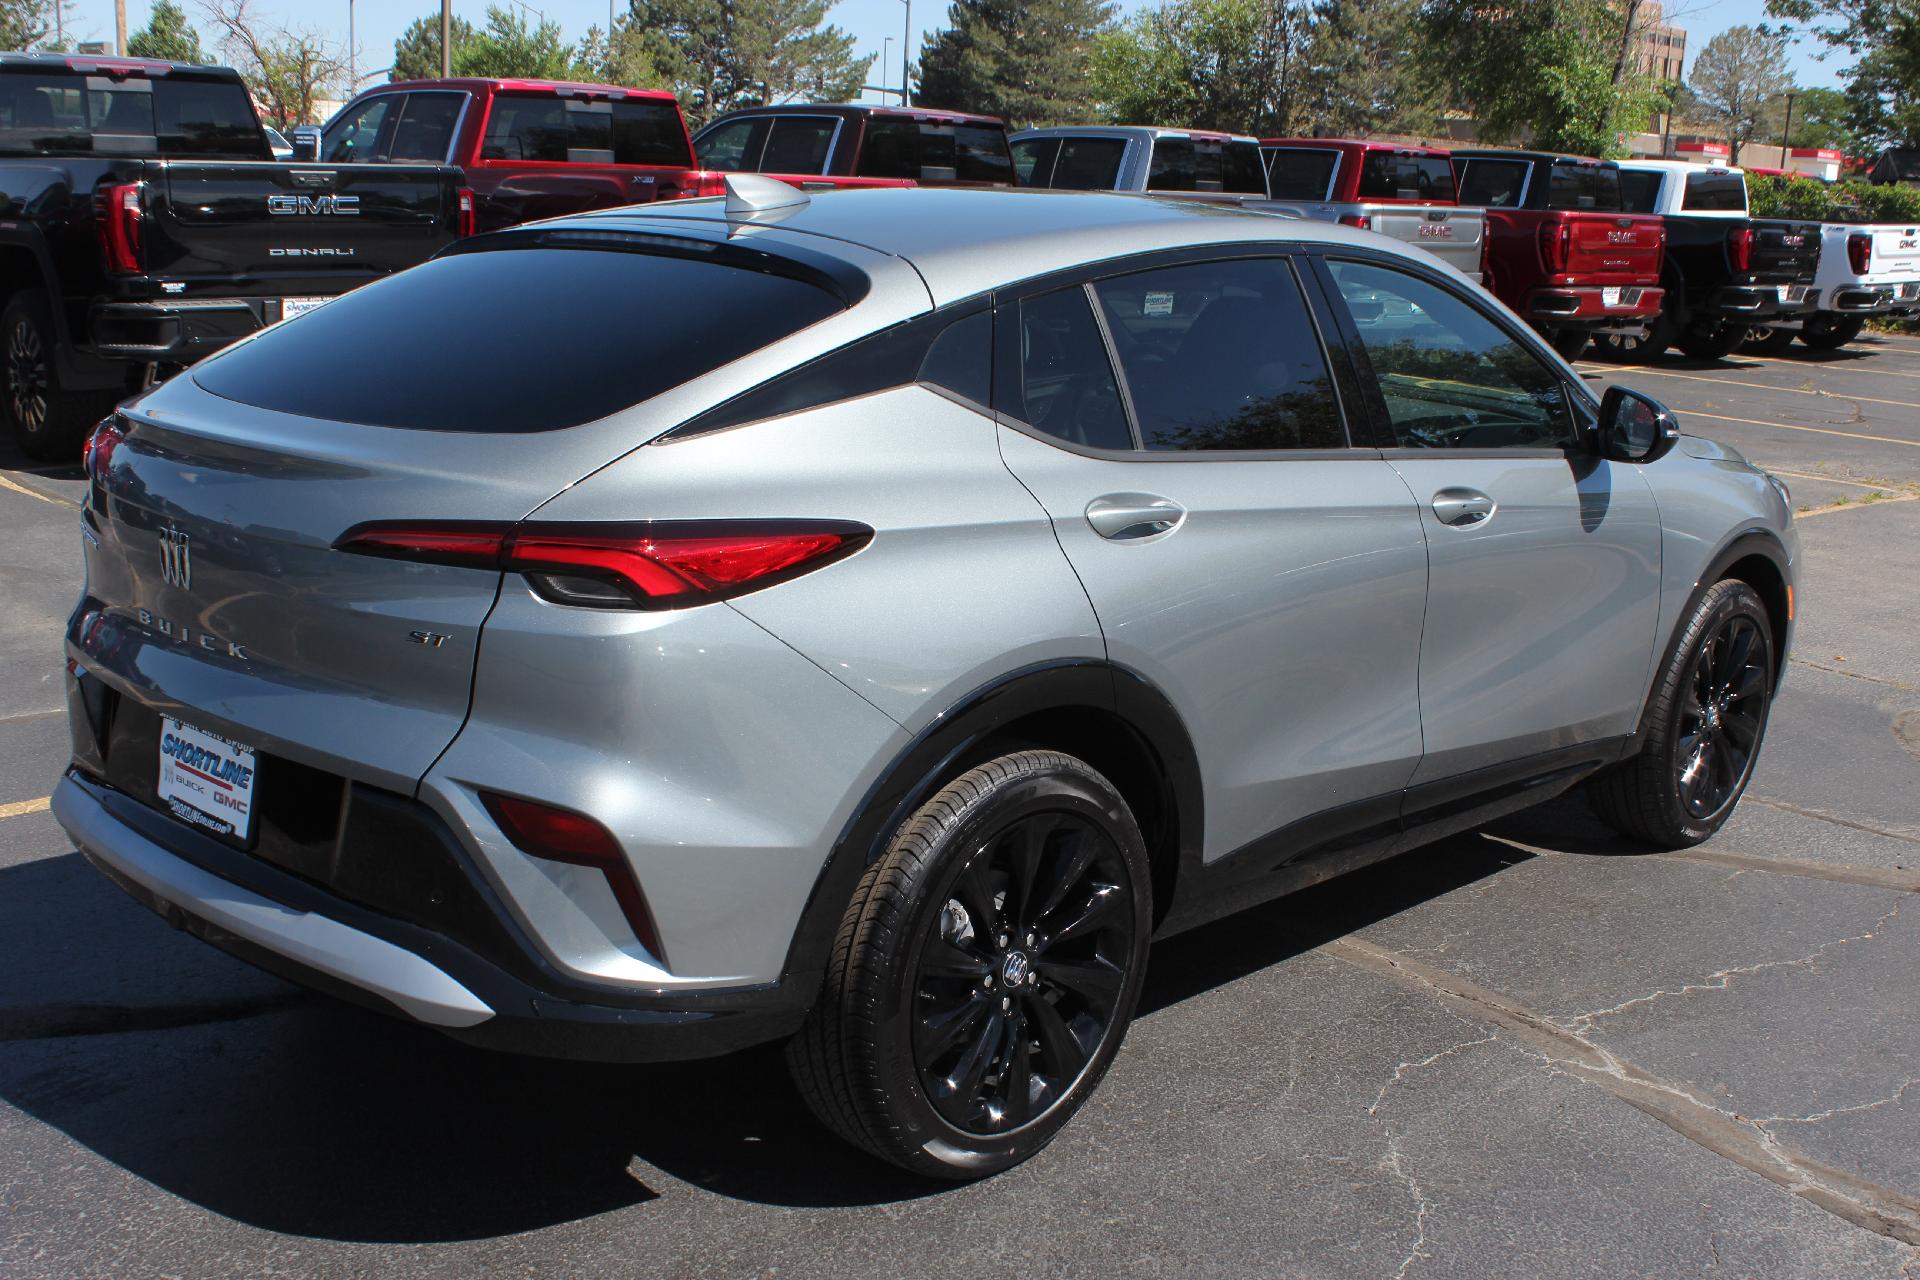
(1415, 191)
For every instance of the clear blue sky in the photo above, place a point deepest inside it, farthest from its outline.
(378, 22)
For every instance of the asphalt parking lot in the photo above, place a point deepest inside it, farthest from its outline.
(1531, 1051)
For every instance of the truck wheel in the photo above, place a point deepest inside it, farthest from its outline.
(1712, 342)
(48, 422)
(1825, 332)
(1767, 342)
(985, 971)
(1570, 343)
(1642, 350)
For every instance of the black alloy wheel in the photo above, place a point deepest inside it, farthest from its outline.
(47, 421)
(1721, 718)
(28, 377)
(1829, 332)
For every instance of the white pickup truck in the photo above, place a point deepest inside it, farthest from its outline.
(1866, 269)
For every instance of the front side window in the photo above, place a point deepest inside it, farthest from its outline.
(1296, 173)
(1222, 355)
(1066, 385)
(425, 131)
(1714, 193)
(1451, 377)
(355, 133)
(798, 144)
(733, 147)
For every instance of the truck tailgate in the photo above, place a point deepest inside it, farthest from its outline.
(1896, 252)
(1608, 248)
(1455, 236)
(264, 222)
(1785, 252)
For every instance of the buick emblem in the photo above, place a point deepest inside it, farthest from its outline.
(176, 561)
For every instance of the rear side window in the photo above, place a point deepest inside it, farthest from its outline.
(650, 131)
(1715, 193)
(933, 151)
(1206, 164)
(1389, 175)
(1299, 174)
(514, 340)
(1639, 191)
(1066, 386)
(1493, 184)
(1584, 186)
(551, 129)
(99, 115)
(425, 131)
(798, 144)
(1222, 355)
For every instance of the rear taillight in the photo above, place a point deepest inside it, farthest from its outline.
(705, 182)
(1359, 220)
(1740, 248)
(120, 219)
(466, 222)
(561, 835)
(98, 452)
(667, 565)
(1860, 252)
(1556, 247)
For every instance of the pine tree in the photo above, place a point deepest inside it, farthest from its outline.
(1370, 73)
(168, 35)
(416, 54)
(1029, 64)
(721, 55)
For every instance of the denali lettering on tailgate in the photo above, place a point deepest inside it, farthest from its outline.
(344, 205)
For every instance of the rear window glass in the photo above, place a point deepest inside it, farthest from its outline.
(1584, 186)
(1639, 190)
(1715, 193)
(1388, 175)
(933, 151)
(546, 127)
(1301, 174)
(133, 116)
(514, 340)
(1493, 184)
(1088, 164)
(1206, 164)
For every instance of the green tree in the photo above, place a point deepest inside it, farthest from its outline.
(720, 55)
(1551, 70)
(1738, 80)
(1369, 70)
(25, 23)
(510, 47)
(288, 69)
(1237, 65)
(1026, 63)
(167, 35)
(620, 58)
(416, 54)
(1883, 86)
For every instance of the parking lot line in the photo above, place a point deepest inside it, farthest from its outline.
(35, 493)
(1838, 821)
(1765, 386)
(1869, 877)
(1788, 426)
(1814, 475)
(1850, 505)
(20, 808)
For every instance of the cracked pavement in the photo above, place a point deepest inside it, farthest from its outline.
(1533, 1051)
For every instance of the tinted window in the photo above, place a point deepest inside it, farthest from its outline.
(545, 127)
(1389, 175)
(1451, 377)
(1584, 186)
(1066, 385)
(1715, 193)
(733, 146)
(1493, 184)
(933, 151)
(1088, 164)
(961, 358)
(1639, 190)
(1033, 161)
(1222, 355)
(354, 134)
(1297, 174)
(798, 144)
(1206, 164)
(584, 335)
(80, 115)
(650, 131)
(425, 131)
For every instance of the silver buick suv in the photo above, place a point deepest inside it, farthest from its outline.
(867, 621)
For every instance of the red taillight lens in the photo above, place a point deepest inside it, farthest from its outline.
(1740, 248)
(467, 222)
(1860, 252)
(1359, 220)
(625, 566)
(561, 835)
(120, 218)
(99, 448)
(704, 182)
(1556, 247)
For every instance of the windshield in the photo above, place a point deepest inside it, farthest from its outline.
(1299, 174)
(1392, 175)
(130, 116)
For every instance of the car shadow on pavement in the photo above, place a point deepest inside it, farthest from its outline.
(304, 1116)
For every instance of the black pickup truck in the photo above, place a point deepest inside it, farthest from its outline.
(144, 224)
(1728, 276)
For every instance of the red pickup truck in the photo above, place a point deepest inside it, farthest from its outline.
(1560, 250)
(529, 148)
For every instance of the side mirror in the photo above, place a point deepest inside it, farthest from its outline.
(1634, 427)
(306, 142)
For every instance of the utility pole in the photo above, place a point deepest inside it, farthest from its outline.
(446, 39)
(906, 47)
(1786, 129)
(353, 80)
(120, 27)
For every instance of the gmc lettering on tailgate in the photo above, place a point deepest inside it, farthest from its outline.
(344, 205)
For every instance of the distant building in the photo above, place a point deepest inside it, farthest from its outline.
(1659, 46)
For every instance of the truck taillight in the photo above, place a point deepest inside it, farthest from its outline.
(1359, 220)
(120, 219)
(1860, 252)
(467, 221)
(706, 182)
(1740, 248)
(1556, 247)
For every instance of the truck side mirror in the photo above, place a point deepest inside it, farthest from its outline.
(1634, 427)
(306, 142)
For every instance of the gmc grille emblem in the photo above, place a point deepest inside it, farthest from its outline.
(176, 560)
(345, 205)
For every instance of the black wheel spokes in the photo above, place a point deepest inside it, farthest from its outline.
(1020, 979)
(1721, 719)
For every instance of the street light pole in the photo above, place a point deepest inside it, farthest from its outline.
(906, 45)
(352, 79)
(446, 39)
(1786, 130)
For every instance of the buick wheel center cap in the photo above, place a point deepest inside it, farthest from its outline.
(1013, 970)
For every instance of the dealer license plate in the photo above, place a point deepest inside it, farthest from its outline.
(1610, 297)
(205, 779)
(291, 307)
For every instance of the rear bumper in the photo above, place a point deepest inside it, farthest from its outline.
(1761, 302)
(1572, 305)
(176, 332)
(494, 992)
(1872, 299)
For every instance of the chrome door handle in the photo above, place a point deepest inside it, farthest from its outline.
(1124, 516)
(1462, 507)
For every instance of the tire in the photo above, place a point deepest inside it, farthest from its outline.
(915, 1046)
(1570, 343)
(1704, 728)
(1643, 350)
(1830, 332)
(1768, 342)
(48, 422)
(1712, 342)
